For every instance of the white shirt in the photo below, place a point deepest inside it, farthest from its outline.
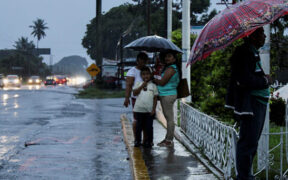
(134, 72)
(144, 101)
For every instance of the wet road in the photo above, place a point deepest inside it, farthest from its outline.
(46, 133)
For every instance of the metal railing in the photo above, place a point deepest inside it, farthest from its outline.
(269, 161)
(216, 140)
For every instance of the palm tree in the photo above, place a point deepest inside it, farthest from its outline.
(38, 27)
(23, 44)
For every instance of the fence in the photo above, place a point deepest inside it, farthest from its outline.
(218, 143)
(271, 163)
(215, 139)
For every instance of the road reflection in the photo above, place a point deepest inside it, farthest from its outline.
(10, 88)
(31, 87)
(16, 105)
(4, 99)
(6, 146)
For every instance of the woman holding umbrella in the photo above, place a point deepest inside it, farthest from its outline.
(167, 87)
(170, 77)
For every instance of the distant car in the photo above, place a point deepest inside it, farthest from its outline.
(48, 82)
(61, 80)
(12, 80)
(34, 80)
(1, 81)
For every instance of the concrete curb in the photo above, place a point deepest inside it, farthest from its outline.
(137, 164)
(182, 138)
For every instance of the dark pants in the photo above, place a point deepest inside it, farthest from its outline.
(250, 131)
(144, 122)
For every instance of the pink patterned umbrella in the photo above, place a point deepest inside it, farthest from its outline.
(235, 22)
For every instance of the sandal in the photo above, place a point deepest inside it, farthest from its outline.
(166, 143)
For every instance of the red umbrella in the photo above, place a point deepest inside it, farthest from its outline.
(235, 22)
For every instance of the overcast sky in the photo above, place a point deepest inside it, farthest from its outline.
(66, 20)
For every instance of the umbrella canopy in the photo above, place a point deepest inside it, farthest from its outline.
(153, 44)
(235, 22)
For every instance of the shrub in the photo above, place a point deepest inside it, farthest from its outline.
(277, 110)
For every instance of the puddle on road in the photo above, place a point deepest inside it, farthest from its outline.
(70, 114)
(73, 110)
(39, 120)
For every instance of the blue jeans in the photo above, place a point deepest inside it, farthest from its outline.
(250, 131)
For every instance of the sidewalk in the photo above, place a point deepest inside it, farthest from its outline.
(162, 163)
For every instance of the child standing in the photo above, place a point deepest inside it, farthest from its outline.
(145, 107)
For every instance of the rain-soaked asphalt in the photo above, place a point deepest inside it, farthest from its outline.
(174, 163)
(46, 133)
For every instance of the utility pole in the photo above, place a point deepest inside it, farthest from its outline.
(98, 37)
(148, 17)
(186, 43)
(51, 63)
(264, 139)
(169, 19)
(165, 18)
(121, 57)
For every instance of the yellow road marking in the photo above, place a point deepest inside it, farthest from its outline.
(137, 163)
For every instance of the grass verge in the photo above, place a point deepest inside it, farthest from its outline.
(95, 93)
(275, 160)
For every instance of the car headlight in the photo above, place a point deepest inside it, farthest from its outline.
(5, 81)
(30, 80)
(37, 80)
(16, 81)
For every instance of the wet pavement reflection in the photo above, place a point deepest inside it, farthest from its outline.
(46, 133)
(176, 162)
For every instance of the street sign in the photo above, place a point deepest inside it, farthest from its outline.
(41, 51)
(93, 70)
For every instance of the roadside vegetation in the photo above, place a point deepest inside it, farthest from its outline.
(209, 81)
(97, 93)
(25, 60)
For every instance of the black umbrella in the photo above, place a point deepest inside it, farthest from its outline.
(153, 44)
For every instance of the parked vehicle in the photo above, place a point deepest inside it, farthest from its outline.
(1, 81)
(48, 82)
(34, 80)
(12, 80)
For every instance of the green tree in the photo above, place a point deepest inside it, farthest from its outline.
(215, 82)
(23, 44)
(197, 8)
(209, 79)
(38, 29)
(118, 20)
(279, 45)
(31, 64)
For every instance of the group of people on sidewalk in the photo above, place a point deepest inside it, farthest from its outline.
(145, 90)
(248, 95)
